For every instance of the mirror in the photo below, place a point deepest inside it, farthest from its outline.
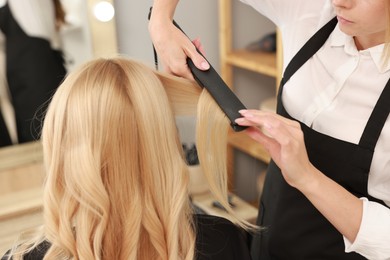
(83, 37)
(88, 32)
(86, 36)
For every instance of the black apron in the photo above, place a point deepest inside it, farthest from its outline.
(34, 71)
(295, 229)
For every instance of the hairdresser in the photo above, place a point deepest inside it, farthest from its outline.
(34, 64)
(327, 190)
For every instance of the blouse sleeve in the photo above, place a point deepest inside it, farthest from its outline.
(35, 17)
(373, 239)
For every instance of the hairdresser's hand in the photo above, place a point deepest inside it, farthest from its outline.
(173, 48)
(283, 139)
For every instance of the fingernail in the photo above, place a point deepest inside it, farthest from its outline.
(239, 120)
(205, 65)
(242, 111)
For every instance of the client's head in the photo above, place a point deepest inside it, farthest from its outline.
(117, 181)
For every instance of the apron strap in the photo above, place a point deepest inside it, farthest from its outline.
(377, 120)
(309, 49)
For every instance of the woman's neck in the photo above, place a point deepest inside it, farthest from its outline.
(366, 42)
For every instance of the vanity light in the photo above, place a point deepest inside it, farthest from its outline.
(104, 11)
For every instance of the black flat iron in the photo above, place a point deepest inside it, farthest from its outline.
(218, 89)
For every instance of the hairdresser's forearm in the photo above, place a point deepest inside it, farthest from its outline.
(340, 207)
(161, 22)
(164, 9)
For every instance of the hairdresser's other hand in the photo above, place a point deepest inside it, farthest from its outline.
(173, 47)
(283, 139)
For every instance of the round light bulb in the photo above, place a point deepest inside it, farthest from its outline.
(104, 11)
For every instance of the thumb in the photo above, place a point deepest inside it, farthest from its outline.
(199, 61)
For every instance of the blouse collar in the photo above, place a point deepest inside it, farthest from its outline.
(340, 39)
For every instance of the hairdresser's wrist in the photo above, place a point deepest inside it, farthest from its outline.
(310, 180)
(163, 10)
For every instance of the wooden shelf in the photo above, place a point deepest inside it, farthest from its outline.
(244, 143)
(243, 209)
(20, 154)
(21, 202)
(265, 63)
(260, 62)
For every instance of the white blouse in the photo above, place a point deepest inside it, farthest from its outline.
(36, 18)
(334, 93)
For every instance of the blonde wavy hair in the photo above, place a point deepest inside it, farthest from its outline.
(117, 180)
